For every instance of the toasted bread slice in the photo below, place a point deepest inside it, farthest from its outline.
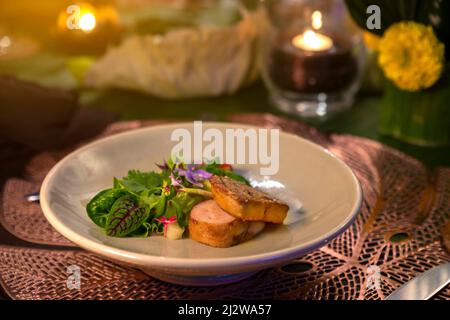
(245, 202)
(209, 224)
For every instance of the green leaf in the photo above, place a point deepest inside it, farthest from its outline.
(171, 209)
(117, 184)
(99, 207)
(160, 206)
(147, 229)
(215, 169)
(156, 203)
(155, 227)
(141, 232)
(236, 177)
(126, 216)
(150, 199)
(137, 181)
(181, 206)
(171, 164)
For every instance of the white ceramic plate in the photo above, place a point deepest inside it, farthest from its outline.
(328, 191)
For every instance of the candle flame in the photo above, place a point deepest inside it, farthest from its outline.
(311, 38)
(312, 41)
(317, 20)
(87, 22)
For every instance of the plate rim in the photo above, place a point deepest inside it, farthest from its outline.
(205, 264)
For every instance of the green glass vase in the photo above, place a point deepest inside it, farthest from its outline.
(420, 118)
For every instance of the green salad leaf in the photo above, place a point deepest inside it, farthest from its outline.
(183, 204)
(137, 181)
(148, 228)
(221, 170)
(126, 216)
(99, 207)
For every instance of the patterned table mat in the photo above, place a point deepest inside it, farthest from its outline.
(402, 229)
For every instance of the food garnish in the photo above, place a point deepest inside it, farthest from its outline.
(145, 203)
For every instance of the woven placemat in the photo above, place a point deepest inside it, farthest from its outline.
(400, 229)
(25, 220)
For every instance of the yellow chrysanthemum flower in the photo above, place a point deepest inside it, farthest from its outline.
(371, 40)
(411, 56)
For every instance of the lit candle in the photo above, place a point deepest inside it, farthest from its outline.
(312, 62)
(81, 16)
(85, 28)
(87, 22)
(312, 40)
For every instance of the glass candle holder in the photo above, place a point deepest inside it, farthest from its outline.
(312, 56)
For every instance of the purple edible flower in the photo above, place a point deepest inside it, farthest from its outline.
(194, 176)
(175, 181)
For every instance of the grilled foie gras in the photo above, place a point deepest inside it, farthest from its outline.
(209, 224)
(246, 203)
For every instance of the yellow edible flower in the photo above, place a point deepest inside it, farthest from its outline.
(371, 40)
(411, 56)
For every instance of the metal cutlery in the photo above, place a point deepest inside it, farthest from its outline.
(424, 286)
(33, 197)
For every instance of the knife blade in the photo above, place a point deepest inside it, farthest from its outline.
(424, 286)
